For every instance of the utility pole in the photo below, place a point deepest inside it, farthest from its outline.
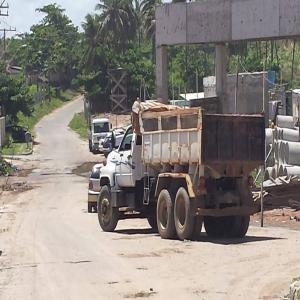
(4, 5)
(5, 30)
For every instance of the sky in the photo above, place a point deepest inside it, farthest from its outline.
(22, 14)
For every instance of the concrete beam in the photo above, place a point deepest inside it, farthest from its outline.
(221, 21)
(162, 74)
(221, 73)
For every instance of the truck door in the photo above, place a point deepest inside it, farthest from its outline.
(124, 168)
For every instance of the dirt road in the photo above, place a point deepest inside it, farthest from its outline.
(51, 248)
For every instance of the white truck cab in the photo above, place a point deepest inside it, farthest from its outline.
(123, 166)
(99, 129)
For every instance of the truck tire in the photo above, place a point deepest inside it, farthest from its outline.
(183, 215)
(239, 226)
(90, 207)
(214, 226)
(165, 215)
(197, 228)
(108, 216)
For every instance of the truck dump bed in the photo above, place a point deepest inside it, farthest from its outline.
(229, 144)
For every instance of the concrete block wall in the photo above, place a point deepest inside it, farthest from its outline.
(250, 92)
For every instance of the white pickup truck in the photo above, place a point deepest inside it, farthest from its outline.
(99, 130)
(184, 168)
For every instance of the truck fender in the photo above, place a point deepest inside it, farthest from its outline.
(173, 181)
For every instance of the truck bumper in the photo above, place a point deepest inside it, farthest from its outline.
(228, 211)
(93, 197)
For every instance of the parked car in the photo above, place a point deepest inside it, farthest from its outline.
(94, 188)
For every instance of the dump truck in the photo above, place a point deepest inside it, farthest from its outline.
(182, 168)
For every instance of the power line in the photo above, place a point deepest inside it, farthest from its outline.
(5, 30)
(4, 5)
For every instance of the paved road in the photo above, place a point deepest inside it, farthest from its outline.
(53, 249)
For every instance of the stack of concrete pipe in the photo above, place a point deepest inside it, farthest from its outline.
(284, 141)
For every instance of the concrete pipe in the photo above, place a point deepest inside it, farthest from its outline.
(285, 121)
(271, 159)
(293, 153)
(269, 136)
(282, 171)
(282, 156)
(292, 170)
(280, 152)
(270, 172)
(277, 133)
(290, 135)
(276, 151)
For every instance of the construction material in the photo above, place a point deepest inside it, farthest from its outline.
(290, 135)
(270, 172)
(269, 136)
(285, 121)
(292, 155)
(286, 170)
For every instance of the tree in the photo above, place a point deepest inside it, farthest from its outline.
(118, 22)
(148, 12)
(14, 95)
(91, 26)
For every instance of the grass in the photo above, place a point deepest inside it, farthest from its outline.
(40, 110)
(16, 148)
(79, 125)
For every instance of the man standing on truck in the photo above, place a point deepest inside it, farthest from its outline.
(136, 107)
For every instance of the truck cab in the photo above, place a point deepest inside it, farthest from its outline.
(99, 129)
(123, 165)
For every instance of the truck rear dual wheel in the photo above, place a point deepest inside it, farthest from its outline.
(165, 215)
(231, 227)
(183, 215)
(108, 216)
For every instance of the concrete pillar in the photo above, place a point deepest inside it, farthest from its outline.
(162, 74)
(221, 74)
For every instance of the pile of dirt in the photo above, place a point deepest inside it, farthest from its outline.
(84, 169)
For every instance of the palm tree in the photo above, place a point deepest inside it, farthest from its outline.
(91, 26)
(118, 22)
(148, 12)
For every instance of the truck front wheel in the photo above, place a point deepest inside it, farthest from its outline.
(183, 215)
(165, 215)
(108, 216)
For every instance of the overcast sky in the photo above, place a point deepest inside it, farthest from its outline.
(23, 15)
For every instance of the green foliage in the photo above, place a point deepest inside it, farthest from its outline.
(79, 125)
(5, 167)
(51, 48)
(16, 148)
(15, 96)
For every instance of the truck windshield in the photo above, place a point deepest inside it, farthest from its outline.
(101, 127)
